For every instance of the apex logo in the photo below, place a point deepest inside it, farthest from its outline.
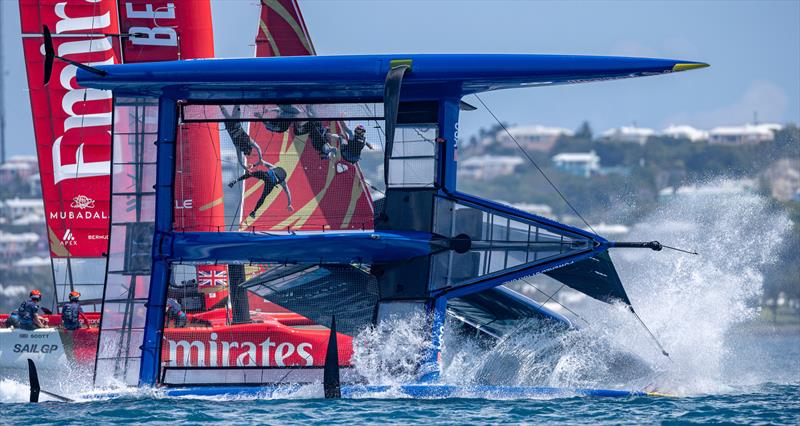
(68, 239)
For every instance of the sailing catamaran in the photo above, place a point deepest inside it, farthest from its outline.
(279, 276)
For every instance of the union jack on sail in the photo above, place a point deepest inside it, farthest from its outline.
(212, 278)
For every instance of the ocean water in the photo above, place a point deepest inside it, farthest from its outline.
(768, 403)
(724, 365)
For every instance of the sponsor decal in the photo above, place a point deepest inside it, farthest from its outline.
(82, 202)
(212, 278)
(184, 205)
(227, 353)
(62, 215)
(34, 348)
(68, 239)
(72, 124)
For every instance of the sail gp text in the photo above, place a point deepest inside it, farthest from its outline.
(33, 348)
(213, 353)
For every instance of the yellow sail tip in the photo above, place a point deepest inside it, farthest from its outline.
(659, 394)
(687, 67)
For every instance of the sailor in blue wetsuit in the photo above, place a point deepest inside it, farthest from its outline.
(351, 148)
(28, 312)
(271, 177)
(72, 313)
(175, 313)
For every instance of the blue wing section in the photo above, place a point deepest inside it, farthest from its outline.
(363, 77)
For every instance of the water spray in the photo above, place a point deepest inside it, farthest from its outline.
(655, 246)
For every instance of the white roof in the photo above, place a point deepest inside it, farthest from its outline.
(685, 131)
(541, 209)
(15, 166)
(538, 130)
(726, 186)
(610, 228)
(571, 157)
(22, 159)
(24, 202)
(629, 131)
(25, 237)
(29, 219)
(33, 261)
(748, 129)
(493, 159)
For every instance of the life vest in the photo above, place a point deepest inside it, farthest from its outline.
(352, 151)
(70, 314)
(26, 311)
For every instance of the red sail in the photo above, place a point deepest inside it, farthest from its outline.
(321, 197)
(166, 31)
(72, 125)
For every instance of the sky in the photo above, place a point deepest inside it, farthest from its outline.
(753, 48)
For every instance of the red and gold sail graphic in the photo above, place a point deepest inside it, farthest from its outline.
(72, 125)
(168, 31)
(322, 198)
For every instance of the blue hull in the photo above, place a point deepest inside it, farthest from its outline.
(414, 391)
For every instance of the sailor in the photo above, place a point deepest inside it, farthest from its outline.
(322, 139)
(271, 177)
(28, 311)
(285, 112)
(241, 140)
(72, 313)
(351, 148)
(13, 320)
(175, 313)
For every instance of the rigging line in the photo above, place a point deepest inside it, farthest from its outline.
(556, 301)
(652, 336)
(68, 270)
(553, 295)
(680, 250)
(534, 162)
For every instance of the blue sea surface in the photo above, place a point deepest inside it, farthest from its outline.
(766, 404)
(762, 386)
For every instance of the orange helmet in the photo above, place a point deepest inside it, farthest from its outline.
(36, 294)
(74, 296)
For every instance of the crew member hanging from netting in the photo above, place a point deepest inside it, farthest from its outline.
(271, 177)
(284, 114)
(322, 139)
(352, 146)
(241, 140)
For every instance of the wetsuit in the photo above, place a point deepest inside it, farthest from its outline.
(319, 136)
(27, 312)
(70, 315)
(351, 151)
(270, 180)
(284, 111)
(240, 138)
(175, 313)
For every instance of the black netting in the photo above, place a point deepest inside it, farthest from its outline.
(238, 165)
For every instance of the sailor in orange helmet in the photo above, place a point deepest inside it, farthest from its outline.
(72, 313)
(28, 311)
